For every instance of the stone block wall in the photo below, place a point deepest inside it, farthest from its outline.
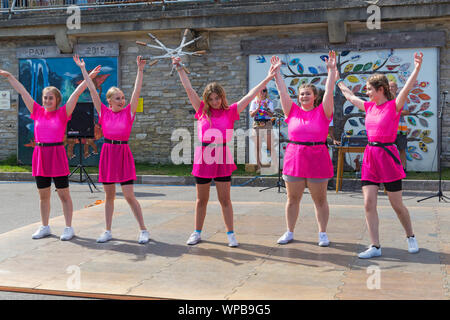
(166, 106)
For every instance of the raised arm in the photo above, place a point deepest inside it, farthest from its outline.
(90, 84)
(401, 98)
(138, 84)
(327, 101)
(192, 94)
(243, 103)
(285, 99)
(27, 99)
(348, 94)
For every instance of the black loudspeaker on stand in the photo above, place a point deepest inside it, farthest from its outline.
(439, 194)
(80, 167)
(279, 184)
(82, 126)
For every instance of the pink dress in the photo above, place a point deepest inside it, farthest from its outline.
(116, 161)
(307, 161)
(49, 127)
(210, 161)
(381, 125)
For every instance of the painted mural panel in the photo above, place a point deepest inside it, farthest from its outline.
(355, 68)
(64, 74)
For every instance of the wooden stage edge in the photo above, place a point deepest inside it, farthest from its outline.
(77, 294)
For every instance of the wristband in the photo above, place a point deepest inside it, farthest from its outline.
(337, 82)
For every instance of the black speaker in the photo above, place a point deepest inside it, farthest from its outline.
(82, 123)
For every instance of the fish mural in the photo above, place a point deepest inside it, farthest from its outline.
(64, 74)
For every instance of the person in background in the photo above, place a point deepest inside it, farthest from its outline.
(261, 110)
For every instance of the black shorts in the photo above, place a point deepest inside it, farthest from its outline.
(199, 180)
(121, 183)
(401, 142)
(45, 182)
(393, 186)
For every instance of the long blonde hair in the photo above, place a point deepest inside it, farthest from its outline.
(216, 88)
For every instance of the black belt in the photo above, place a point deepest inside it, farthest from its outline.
(52, 144)
(383, 145)
(263, 120)
(308, 143)
(115, 141)
(205, 144)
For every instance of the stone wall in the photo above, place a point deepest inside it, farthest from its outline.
(166, 106)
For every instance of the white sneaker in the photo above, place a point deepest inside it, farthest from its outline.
(323, 239)
(413, 247)
(42, 232)
(286, 238)
(370, 253)
(194, 238)
(68, 234)
(106, 236)
(232, 242)
(144, 237)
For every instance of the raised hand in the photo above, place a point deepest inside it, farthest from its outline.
(275, 66)
(141, 63)
(337, 76)
(276, 61)
(4, 73)
(176, 61)
(95, 72)
(331, 60)
(418, 58)
(79, 62)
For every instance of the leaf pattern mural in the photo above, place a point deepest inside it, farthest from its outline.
(355, 68)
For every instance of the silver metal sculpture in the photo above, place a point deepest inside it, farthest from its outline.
(171, 53)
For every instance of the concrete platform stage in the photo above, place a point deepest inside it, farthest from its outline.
(258, 269)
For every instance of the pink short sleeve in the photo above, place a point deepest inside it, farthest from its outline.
(36, 109)
(366, 105)
(291, 112)
(323, 113)
(63, 113)
(103, 109)
(234, 115)
(132, 115)
(199, 112)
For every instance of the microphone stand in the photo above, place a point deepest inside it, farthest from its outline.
(278, 185)
(439, 194)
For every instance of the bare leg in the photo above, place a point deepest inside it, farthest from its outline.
(396, 201)
(223, 194)
(201, 204)
(66, 201)
(370, 205)
(44, 204)
(319, 196)
(128, 193)
(294, 195)
(110, 195)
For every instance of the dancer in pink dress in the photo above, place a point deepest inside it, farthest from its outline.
(116, 161)
(49, 156)
(213, 160)
(307, 161)
(381, 162)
